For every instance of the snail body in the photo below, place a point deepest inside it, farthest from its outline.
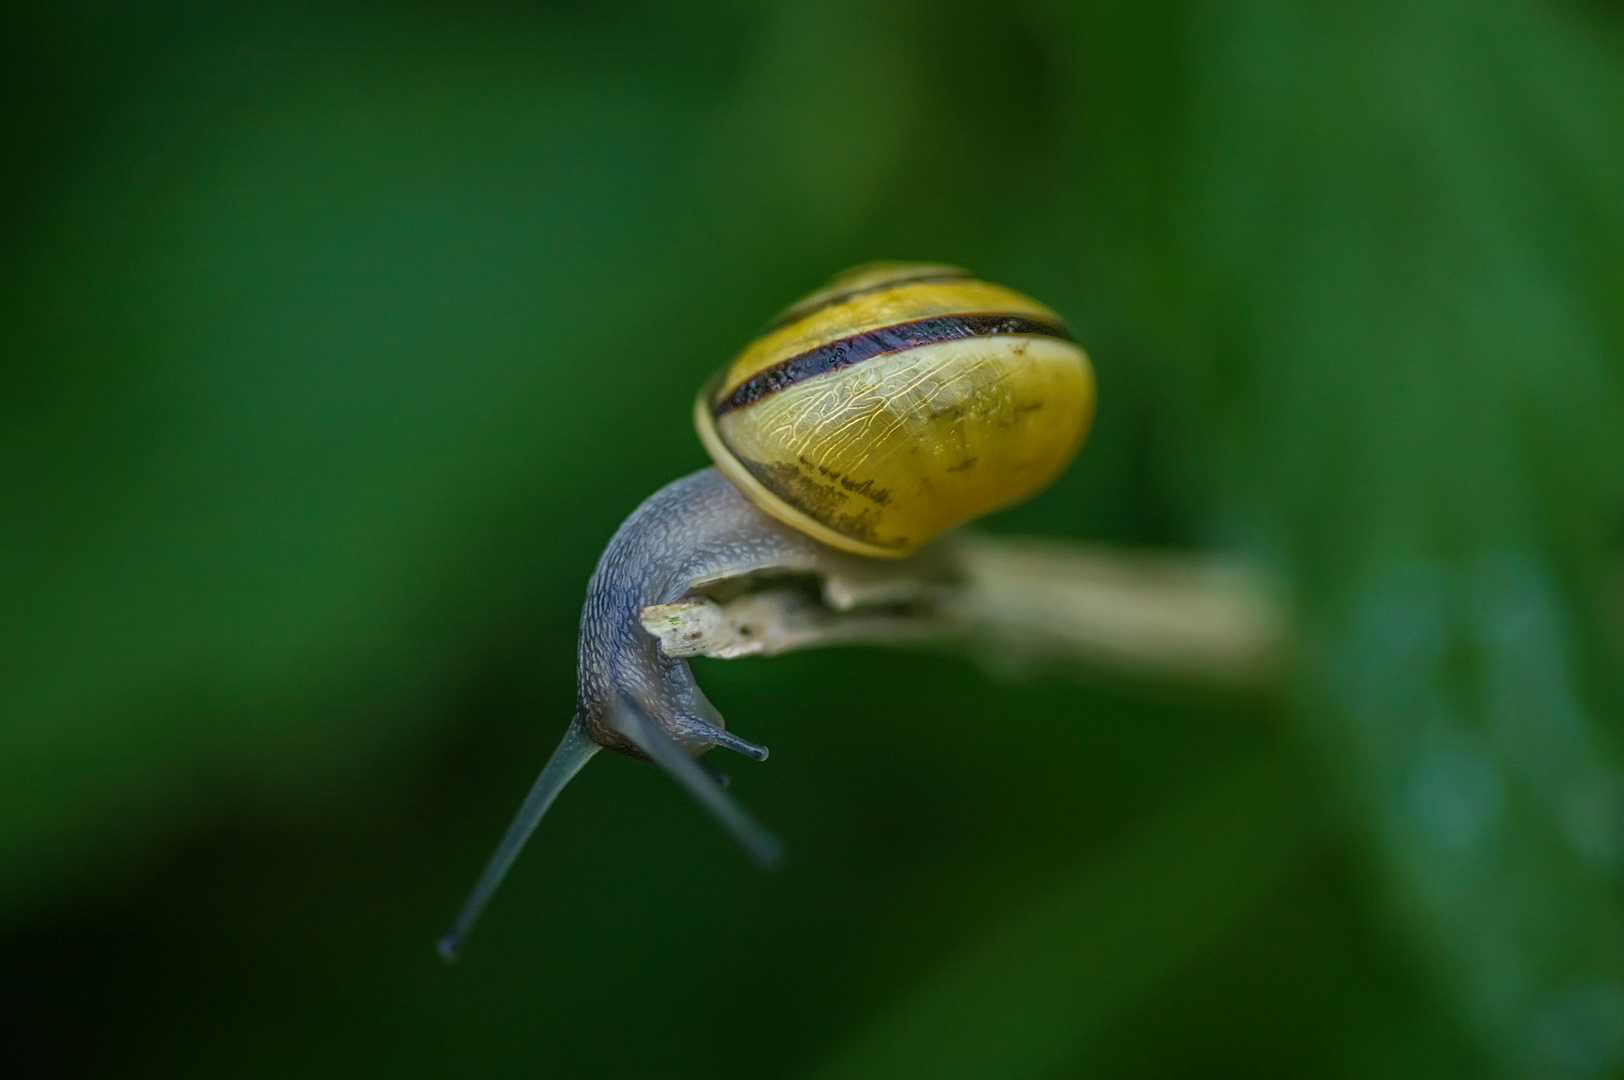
(894, 403)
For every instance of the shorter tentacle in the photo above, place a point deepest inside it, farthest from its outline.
(726, 739)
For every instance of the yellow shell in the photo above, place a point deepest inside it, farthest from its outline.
(896, 402)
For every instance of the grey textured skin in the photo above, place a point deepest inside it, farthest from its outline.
(692, 531)
(632, 697)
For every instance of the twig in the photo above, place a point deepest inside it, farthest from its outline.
(1019, 603)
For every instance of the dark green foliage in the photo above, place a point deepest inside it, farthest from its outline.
(336, 339)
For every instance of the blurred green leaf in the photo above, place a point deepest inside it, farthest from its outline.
(1391, 235)
(334, 340)
(1061, 968)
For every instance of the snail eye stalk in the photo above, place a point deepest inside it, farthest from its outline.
(572, 754)
(636, 725)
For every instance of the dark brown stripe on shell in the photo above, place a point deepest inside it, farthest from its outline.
(878, 342)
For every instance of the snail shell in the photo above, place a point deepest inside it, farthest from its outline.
(896, 402)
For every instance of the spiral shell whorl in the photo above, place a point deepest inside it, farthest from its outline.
(897, 402)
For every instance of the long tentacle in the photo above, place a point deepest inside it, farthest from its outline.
(574, 751)
(635, 724)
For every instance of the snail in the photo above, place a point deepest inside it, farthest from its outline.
(894, 403)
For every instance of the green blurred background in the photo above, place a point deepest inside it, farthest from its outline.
(335, 339)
